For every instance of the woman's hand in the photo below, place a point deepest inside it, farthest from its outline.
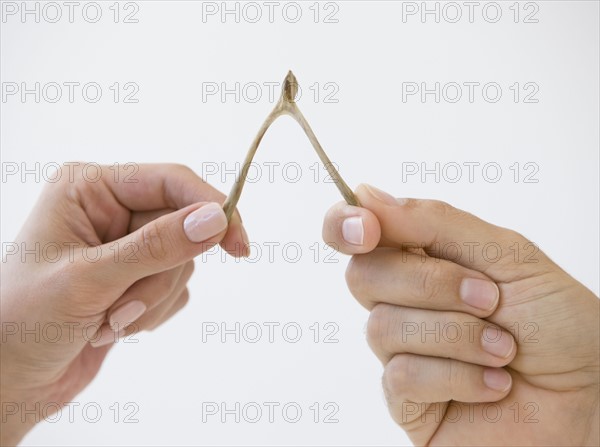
(464, 314)
(96, 261)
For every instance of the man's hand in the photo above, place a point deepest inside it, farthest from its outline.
(464, 314)
(96, 261)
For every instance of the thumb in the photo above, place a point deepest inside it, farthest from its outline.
(449, 233)
(163, 243)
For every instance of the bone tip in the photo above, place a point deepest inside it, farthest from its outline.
(290, 87)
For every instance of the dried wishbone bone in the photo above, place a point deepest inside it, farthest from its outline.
(286, 106)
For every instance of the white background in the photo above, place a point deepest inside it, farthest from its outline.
(370, 132)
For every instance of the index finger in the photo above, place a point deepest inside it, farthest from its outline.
(445, 232)
(152, 187)
(147, 187)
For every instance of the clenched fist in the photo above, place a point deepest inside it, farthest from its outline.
(484, 340)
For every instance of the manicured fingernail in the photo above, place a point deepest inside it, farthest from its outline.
(106, 337)
(205, 222)
(497, 342)
(384, 196)
(479, 293)
(497, 379)
(126, 314)
(353, 230)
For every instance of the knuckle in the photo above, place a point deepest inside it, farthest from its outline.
(356, 275)
(363, 276)
(438, 207)
(378, 327)
(70, 171)
(450, 328)
(76, 173)
(182, 171)
(398, 375)
(444, 211)
(184, 297)
(155, 240)
(185, 168)
(181, 168)
(513, 235)
(456, 378)
(83, 188)
(429, 279)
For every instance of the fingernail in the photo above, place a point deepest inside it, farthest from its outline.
(497, 342)
(205, 222)
(479, 293)
(497, 379)
(126, 314)
(107, 336)
(384, 196)
(353, 230)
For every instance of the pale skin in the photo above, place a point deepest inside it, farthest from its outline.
(151, 262)
(170, 216)
(544, 375)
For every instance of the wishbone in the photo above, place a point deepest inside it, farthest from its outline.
(286, 106)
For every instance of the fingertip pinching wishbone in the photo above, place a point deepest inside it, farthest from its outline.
(286, 106)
